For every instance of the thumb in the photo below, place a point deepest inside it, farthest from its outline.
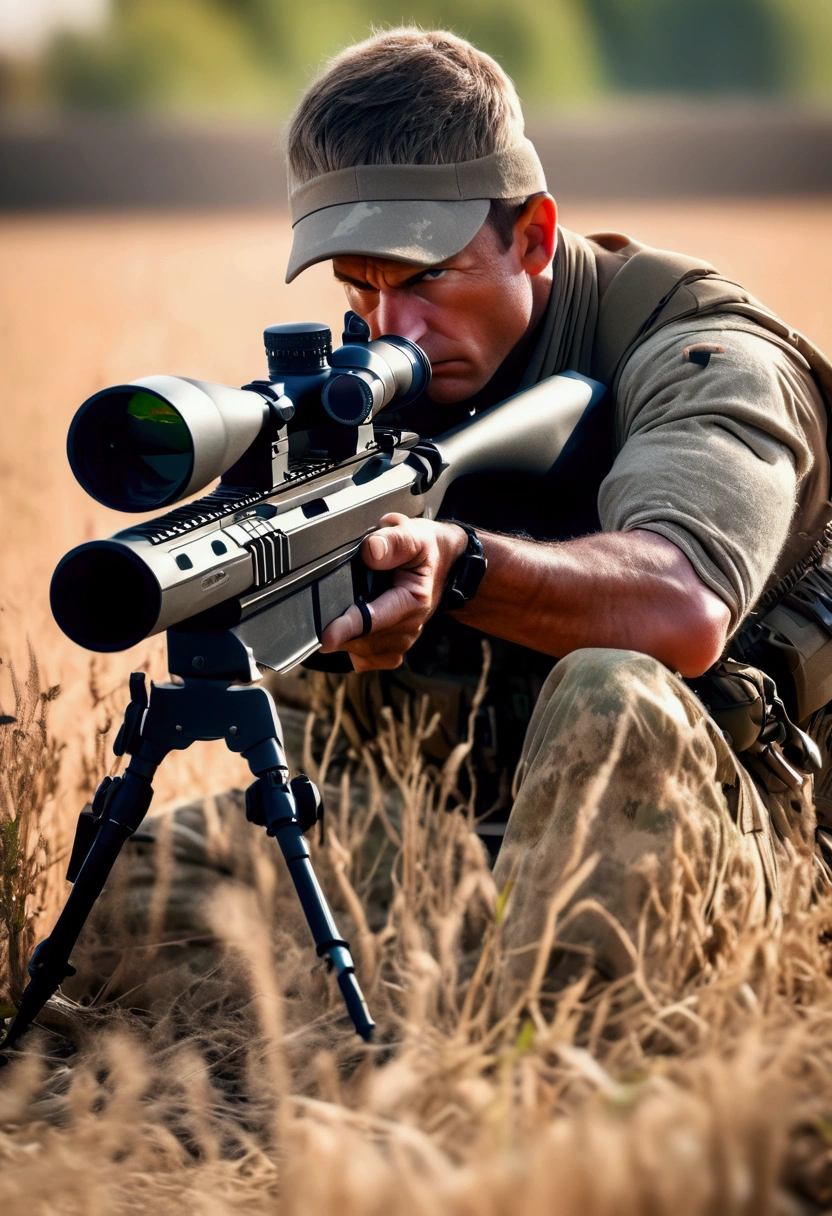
(394, 546)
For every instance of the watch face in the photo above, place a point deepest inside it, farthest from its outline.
(470, 574)
(465, 574)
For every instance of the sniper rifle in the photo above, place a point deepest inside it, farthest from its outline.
(254, 571)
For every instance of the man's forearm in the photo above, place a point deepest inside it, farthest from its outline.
(621, 590)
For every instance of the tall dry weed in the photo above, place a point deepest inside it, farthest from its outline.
(30, 762)
(220, 1074)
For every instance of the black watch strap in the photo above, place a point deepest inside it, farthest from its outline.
(466, 573)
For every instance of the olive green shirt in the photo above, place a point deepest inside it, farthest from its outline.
(713, 457)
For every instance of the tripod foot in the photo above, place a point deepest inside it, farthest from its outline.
(356, 1005)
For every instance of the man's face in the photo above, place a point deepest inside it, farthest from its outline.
(467, 313)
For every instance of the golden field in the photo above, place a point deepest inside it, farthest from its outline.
(706, 1091)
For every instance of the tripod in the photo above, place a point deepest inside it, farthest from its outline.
(214, 701)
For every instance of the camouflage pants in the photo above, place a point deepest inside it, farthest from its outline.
(625, 775)
(631, 810)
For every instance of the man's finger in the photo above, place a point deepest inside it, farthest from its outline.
(390, 607)
(343, 629)
(385, 612)
(378, 662)
(400, 545)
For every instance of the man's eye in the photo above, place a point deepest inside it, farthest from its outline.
(434, 274)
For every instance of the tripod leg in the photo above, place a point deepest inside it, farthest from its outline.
(49, 964)
(282, 822)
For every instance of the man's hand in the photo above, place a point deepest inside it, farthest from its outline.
(421, 552)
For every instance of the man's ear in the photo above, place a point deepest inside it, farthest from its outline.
(535, 233)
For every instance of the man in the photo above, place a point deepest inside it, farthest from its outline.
(411, 173)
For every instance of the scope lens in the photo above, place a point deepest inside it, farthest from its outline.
(131, 449)
(348, 399)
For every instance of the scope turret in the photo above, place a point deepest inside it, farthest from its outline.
(297, 349)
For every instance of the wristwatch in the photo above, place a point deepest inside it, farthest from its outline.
(465, 574)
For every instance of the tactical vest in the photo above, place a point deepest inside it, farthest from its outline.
(790, 634)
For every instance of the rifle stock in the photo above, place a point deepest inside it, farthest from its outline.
(523, 434)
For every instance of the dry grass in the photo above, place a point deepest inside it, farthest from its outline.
(234, 1083)
(29, 771)
(701, 1085)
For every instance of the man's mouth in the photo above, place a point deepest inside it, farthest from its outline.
(447, 364)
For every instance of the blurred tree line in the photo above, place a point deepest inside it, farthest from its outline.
(254, 56)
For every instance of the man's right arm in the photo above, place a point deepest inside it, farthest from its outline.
(695, 511)
(628, 590)
(619, 590)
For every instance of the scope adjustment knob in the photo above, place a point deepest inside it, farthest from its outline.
(297, 349)
(348, 398)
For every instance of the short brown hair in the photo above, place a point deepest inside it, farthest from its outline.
(407, 96)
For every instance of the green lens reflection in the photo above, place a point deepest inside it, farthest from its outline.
(131, 449)
(158, 439)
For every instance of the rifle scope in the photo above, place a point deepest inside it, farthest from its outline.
(156, 440)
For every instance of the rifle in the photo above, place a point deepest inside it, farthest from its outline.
(253, 572)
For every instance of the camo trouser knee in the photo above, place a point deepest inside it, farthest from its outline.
(624, 773)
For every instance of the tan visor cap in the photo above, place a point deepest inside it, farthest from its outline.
(412, 213)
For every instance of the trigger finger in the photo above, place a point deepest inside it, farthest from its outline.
(389, 609)
(343, 629)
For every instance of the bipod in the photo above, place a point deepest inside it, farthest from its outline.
(215, 700)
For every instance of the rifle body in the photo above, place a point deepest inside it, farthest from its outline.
(277, 567)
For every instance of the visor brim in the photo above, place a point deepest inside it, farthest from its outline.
(418, 231)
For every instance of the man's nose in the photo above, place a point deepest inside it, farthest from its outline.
(399, 313)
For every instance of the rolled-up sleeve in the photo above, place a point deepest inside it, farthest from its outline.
(711, 457)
